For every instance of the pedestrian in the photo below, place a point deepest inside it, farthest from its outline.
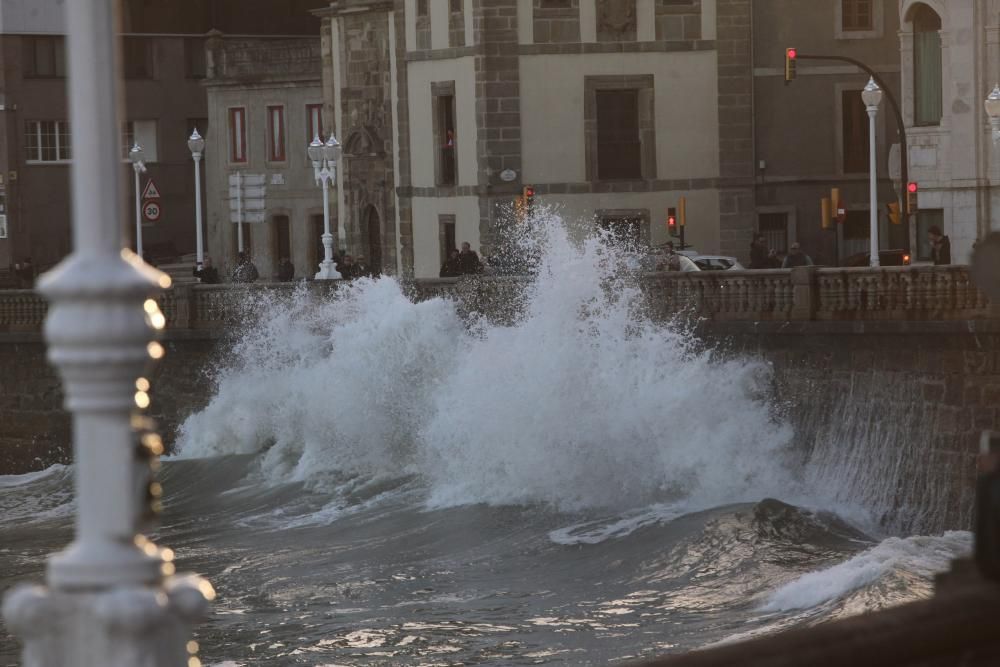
(286, 270)
(671, 260)
(245, 271)
(774, 260)
(758, 252)
(207, 274)
(452, 267)
(25, 272)
(469, 260)
(940, 246)
(796, 258)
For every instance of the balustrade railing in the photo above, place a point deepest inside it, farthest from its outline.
(929, 293)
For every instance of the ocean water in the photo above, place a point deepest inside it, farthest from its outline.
(382, 482)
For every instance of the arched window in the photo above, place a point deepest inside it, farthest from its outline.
(927, 88)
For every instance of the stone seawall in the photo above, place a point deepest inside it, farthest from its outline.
(890, 414)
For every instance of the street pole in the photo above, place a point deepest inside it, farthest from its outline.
(197, 146)
(992, 105)
(324, 158)
(872, 96)
(111, 597)
(239, 211)
(138, 166)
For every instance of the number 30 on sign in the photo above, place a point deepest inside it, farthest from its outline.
(151, 211)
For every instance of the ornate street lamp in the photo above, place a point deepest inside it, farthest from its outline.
(196, 144)
(139, 167)
(324, 158)
(872, 97)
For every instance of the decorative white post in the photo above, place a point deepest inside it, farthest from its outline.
(324, 158)
(110, 599)
(196, 144)
(139, 167)
(872, 97)
(993, 111)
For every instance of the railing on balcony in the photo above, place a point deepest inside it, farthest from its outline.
(921, 293)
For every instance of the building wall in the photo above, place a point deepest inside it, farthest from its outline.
(290, 187)
(955, 162)
(552, 119)
(420, 76)
(799, 126)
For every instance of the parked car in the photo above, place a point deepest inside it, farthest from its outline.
(885, 258)
(717, 263)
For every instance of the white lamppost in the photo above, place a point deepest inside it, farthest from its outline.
(993, 111)
(139, 167)
(196, 144)
(111, 598)
(324, 158)
(872, 97)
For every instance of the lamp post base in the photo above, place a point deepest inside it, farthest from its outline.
(327, 271)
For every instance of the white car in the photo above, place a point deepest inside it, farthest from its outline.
(717, 263)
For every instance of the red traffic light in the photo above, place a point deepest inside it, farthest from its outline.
(791, 53)
(529, 191)
(672, 221)
(911, 187)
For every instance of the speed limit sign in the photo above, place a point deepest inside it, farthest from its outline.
(151, 211)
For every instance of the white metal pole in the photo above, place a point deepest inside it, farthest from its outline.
(239, 210)
(327, 236)
(138, 212)
(873, 185)
(111, 599)
(199, 249)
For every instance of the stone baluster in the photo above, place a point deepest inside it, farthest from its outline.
(111, 599)
(804, 296)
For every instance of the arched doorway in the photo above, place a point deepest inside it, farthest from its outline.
(373, 233)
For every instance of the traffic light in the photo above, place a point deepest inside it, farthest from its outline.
(893, 208)
(911, 197)
(682, 211)
(672, 222)
(837, 206)
(826, 214)
(791, 55)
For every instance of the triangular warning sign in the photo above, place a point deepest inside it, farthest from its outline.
(151, 191)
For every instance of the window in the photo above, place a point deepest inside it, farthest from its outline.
(446, 235)
(276, 134)
(314, 121)
(774, 228)
(422, 8)
(445, 139)
(137, 58)
(927, 218)
(47, 141)
(44, 57)
(857, 15)
(855, 132)
(3, 225)
(195, 64)
(238, 134)
(456, 6)
(556, 4)
(927, 86)
(625, 231)
(619, 151)
(142, 132)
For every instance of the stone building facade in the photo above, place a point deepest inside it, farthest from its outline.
(164, 59)
(950, 55)
(266, 97)
(811, 135)
(448, 108)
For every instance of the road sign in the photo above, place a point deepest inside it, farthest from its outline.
(151, 211)
(247, 198)
(151, 191)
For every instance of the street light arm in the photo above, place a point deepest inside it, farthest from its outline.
(904, 161)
